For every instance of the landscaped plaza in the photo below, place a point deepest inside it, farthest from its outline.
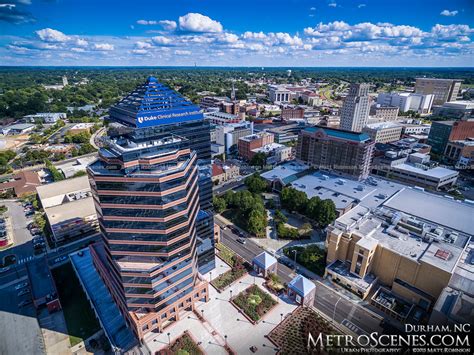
(223, 323)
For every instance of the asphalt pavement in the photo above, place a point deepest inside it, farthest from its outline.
(328, 301)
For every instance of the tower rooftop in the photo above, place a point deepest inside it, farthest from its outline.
(153, 104)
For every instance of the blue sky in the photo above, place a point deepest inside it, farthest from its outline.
(237, 32)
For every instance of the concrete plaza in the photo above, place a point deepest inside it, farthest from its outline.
(223, 319)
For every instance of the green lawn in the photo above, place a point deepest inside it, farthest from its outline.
(254, 302)
(80, 318)
(311, 257)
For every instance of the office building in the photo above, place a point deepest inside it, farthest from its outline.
(291, 112)
(410, 246)
(355, 109)
(228, 135)
(152, 189)
(406, 101)
(69, 208)
(442, 132)
(384, 113)
(344, 152)
(443, 90)
(383, 132)
(76, 166)
(81, 127)
(456, 110)
(208, 102)
(247, 144)
(274, 152)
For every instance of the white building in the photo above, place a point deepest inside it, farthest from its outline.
(279, 94)
(355, 110)
(383, 132)
(406, 101)
(229, 134)
(46, 117)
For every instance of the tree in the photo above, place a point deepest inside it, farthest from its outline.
(313, 207)
(256, 184)
(259, 159)
(327, 213)
(293, 200)
(55, 173)
(257, 223)
(280, 217)
(219, 204)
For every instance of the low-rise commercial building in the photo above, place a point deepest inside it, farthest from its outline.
(46, 117)
(222, 172)
(247, 144)
(69, 208)
(414, 169)
(383, 132)
(43, 288)
(275, 153)
(455, 110)
(23, 183)
(291, 112)
(81, 127)
(460, 153)
(222, 118)
(344, 152)
(18, 128)
(409, 247)
(71, 168)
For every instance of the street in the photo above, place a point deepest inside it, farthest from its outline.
(328, 301)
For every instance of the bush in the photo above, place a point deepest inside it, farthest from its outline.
(254, 302)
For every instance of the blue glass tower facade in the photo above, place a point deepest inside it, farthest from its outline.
(152, 189)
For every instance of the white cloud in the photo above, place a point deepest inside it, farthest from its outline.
(104, 47)
(361, 6)
(147, 22)
(81, 42)
(140, 51)
(449, 13)
(312, 9)
(50, 35)
(194, 22)
(332, 4)
(142, 45)
(78, 50)
(168, 25)
(161, 40)
(182, 52)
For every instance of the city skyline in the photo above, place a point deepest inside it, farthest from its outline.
(303, 33)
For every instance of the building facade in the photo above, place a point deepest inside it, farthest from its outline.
(343, 152)
(384, 113)
(248, 143)
(406, 101)
(152, 188)
(355, 109)
(383, 132)
(443, 90)
(442, 132)
(457, 110)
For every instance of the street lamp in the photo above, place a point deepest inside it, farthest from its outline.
(210, 276)
(202, 313)
(334, 313)
(225, 337)
(169, 339)
(281, 315)
(230, 294)
(295, 252)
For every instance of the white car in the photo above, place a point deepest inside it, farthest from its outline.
(21, 285)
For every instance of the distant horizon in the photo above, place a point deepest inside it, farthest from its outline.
(230, 66)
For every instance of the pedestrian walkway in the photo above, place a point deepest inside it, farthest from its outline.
(25, 260)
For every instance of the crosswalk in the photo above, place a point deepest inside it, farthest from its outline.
(25, 260)
(351, 326)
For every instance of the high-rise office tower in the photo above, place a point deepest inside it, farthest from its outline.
(152, 189)
(355, 110)
(443, 90)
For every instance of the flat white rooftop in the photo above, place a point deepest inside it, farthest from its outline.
(438, 209)
(437, 172)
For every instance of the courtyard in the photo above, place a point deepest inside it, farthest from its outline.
(223, 323)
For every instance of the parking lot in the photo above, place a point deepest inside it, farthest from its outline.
(19, 328)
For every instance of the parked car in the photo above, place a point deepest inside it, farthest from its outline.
(25, 303)
(38, 239)
(4, 269)
(24, 292)
(59, 259)
(21, 285)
